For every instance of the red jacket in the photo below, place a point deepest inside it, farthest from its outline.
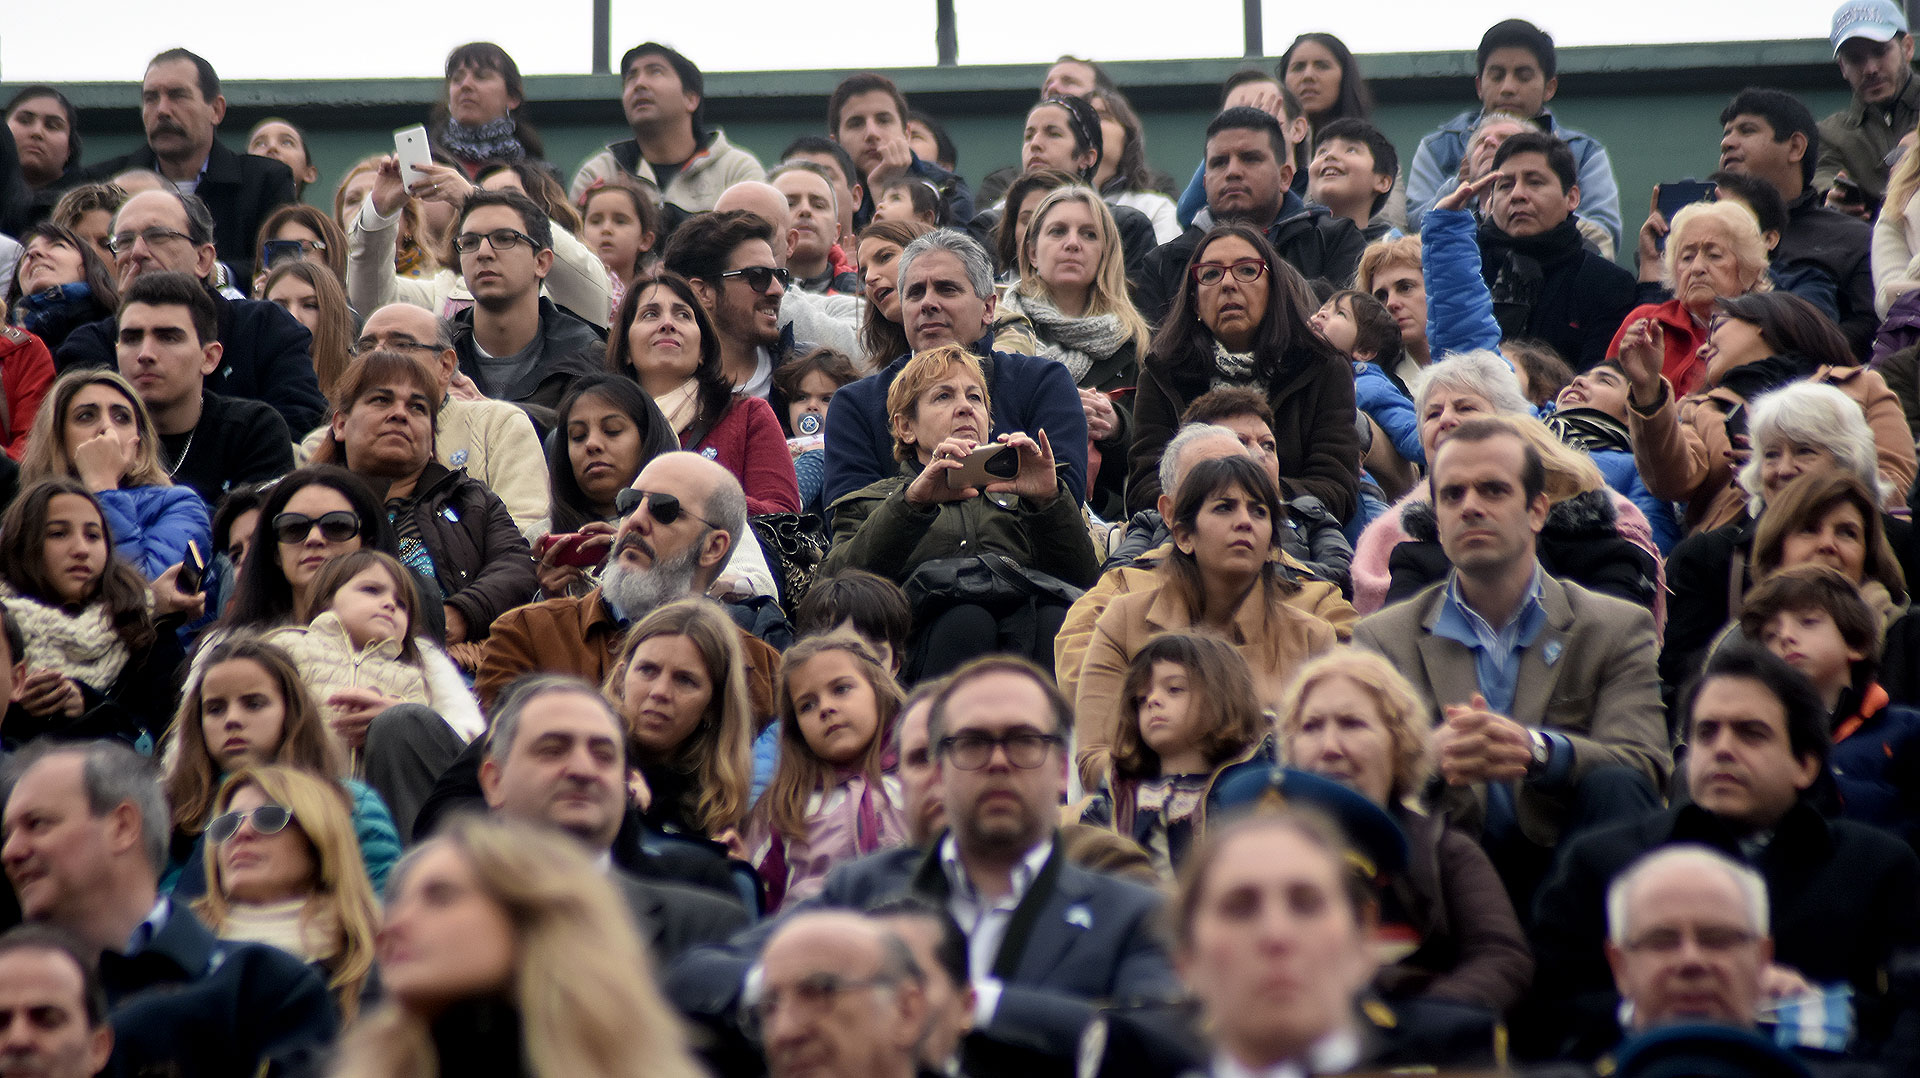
(748, 441)
(1681, 341)
(26, 371)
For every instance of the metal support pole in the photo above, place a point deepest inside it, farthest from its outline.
(1256, 43)
(602, 33)
(946, 36)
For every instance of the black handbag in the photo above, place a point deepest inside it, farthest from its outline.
(994, 581)
(795, 544)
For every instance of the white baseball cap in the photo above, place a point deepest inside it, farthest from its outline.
(1875, 20)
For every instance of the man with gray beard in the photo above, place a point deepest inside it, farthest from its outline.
(684, 516)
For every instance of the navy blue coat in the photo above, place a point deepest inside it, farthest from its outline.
(267, 356)
(1028, 394)
(1094, 940)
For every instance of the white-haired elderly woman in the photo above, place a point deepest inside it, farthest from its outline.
(1802, 429)
(1714, 250)
(1399, 553)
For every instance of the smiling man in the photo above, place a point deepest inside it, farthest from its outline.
(682, 162)
(1874, 51)
(729, 259)
(1843, 893)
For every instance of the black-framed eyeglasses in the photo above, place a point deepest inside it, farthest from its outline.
(368, 344)
(663, 508)
(1026, 749)
(335, 527)
(122, 242)
(1246, 271)
(760, 278)
(267, 820)
(814, 994)
(500, 239)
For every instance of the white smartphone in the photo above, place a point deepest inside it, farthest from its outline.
(410, 146)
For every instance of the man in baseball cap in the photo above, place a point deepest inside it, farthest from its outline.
(1875, 54)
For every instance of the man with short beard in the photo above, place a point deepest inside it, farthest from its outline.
(685, 515)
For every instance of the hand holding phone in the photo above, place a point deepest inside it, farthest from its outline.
(582, 549)
(410, 146)
(992, 463)
(1672, 197)
(193, 570)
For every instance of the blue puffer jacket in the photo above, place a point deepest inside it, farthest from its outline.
(1459, 307)
(1387, 406)
(1876, 763)
(1618, 468)
(151, 525)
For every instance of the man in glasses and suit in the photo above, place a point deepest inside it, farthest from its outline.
(1045, 938)
(513, 342)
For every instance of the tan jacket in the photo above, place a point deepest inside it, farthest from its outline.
(1275, 642)
(1591, 675)
(1681, 449)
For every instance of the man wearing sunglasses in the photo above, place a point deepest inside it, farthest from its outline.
(827, 321)
(85, 841)
(683, 517)
(728, 258)
(516, 344)
(1045, 938)
(264, 354)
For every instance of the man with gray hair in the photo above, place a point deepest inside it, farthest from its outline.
(85, 840)
(835, 995)
(1687, 938)
(557, 756)
(947, 297)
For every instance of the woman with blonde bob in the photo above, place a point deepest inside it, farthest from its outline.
(679, 682)
(1352, 717)
(94, 428)
(1073, 289)
(288, 872)
(505, 952)
(1714, 250)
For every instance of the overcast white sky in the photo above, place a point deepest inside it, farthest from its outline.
(97, 40)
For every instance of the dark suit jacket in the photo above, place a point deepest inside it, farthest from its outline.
(240, 190)
(1093, 940)
(1590, 675)
(675, 918)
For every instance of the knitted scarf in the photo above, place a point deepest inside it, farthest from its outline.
(82, 646)
(1589, 430)
(490, 141)
(1075, 343)
(1231, 368)
(282, 924)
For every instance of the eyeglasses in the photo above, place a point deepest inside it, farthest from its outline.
(1712, 938)
(335, 527)
(500, 239)
(370, 344)
(123, 242)
(760, 278)
(267, 820)
(663, 508)
(813, 994)
(1246, 271)
(1026, 749)
(278, 251)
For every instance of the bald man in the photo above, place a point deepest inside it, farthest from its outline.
(839, 994)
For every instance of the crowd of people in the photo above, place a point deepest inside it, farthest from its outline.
(710, 613)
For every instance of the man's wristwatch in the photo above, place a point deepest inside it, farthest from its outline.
(1542, 753)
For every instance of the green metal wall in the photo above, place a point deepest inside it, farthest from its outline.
(1655, 107)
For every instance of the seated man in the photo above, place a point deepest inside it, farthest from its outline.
(264, 353)
(848, 193)
(867, 115)
(454, 532)
(1875, 54)
(167, 347)
(718, 253)
(868, 1023)
(1514, 71)
(831, 321)
(1046, 939)
(1843, 894)
(1263, 90)
(654, 562)
(86, 839)
(816, 258)
(556, 755)
(947, 297)
(1546, 694)
(53, 1009)
(1352, 173)
(1771, 134)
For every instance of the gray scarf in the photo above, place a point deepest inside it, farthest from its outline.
(1073, 342)
(1231, 368)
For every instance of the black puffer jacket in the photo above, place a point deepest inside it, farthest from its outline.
(479, 557)
(1581, 542)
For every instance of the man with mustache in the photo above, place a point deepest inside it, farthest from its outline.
(1843, 894)
(181, 108)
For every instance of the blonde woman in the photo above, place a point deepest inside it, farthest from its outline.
(1073, 289)
(1350, 716)
(284, 869)
(505, 952)
(94, 428)
(1714, 250)
(1896, 233)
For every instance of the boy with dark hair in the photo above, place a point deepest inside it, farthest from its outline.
(873, 607)
(1352, 173)
(1515, 70)
(1817, 621)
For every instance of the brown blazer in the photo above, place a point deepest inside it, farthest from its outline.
(579, 636)
(1275, 641)
(1591, 675)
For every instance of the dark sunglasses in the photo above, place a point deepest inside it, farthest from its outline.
(335, 527)
(267, 820)
(760, 278)
(663, 508)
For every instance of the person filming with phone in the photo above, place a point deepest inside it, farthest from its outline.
(982, 532)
